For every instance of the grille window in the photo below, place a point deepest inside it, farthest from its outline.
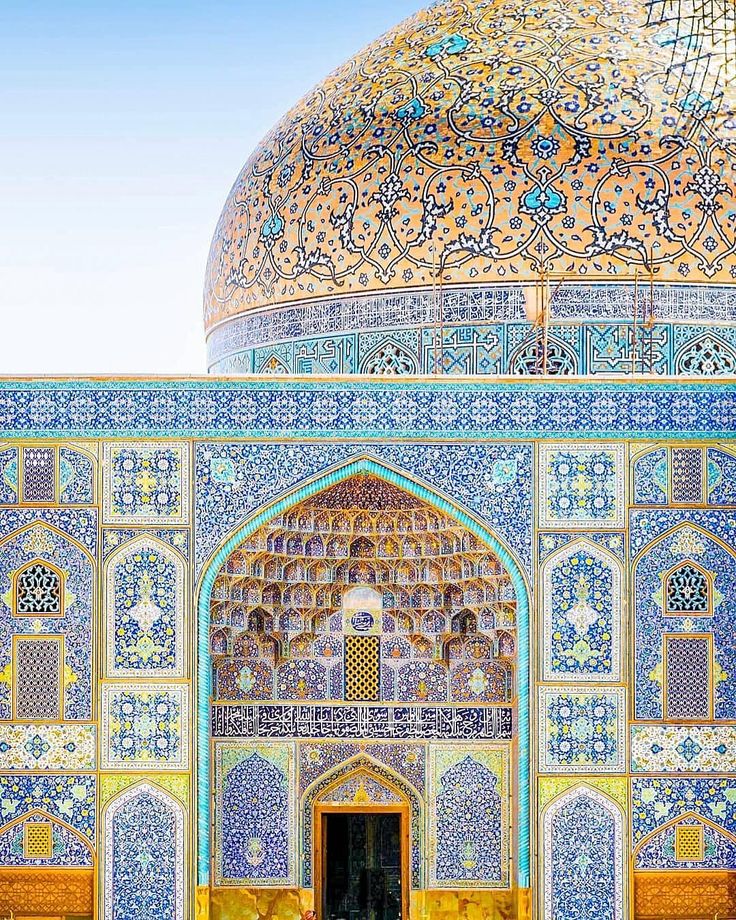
(37, 671)
(687, 591)
(689, 843)
(39, 475)
(688, 678)
(687, 475)
(38, 591)
(38, 840)
(362, 668)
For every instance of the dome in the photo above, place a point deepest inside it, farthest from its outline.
(483, 163)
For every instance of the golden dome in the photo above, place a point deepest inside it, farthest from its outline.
(485, 143)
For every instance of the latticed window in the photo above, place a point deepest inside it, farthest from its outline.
(362, 668)
(38, 840)
(687, 592)
(38, 591)
(689, 843)
(39, 474)
(37, 672)
(687, 475)
(688, 678)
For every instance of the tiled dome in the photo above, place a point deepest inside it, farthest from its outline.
(438, 174)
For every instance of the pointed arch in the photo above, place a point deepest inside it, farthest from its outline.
(650, 621)
(360, 765)
(582, 616)
(55, 821)
(46, 525)
(606, 806)
(365, 464)
(178, 612)
(681, 525)
(164, 867)
(71, 564)
(678, 819)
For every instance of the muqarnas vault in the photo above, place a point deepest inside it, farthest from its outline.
(430, 613)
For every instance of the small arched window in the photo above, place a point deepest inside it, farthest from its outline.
(38, 591)
(687, 591)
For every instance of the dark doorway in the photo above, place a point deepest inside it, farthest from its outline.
(362, 866)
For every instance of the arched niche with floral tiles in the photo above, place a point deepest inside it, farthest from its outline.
(145, 605)
(582, 614)
(144, 868)
(583, 856)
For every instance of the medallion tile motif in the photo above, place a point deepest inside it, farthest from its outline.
(145, 727)
(582, 730)
(146, 483)
(581, 486)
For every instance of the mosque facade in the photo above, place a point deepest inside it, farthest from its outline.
(422, 605)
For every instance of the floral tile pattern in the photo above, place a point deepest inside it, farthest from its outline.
(582, 486)
(582, 730)
(48, 747)
(146, 483)
(145, 726)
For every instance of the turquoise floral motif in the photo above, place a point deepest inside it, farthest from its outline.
(273, 228)
(412, 110)
(451, 44)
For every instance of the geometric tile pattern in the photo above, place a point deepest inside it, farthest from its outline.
(582, 730)
(145, 727)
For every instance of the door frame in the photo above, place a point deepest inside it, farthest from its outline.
(320, 813)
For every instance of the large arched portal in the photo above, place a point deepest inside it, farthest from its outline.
(363, 621)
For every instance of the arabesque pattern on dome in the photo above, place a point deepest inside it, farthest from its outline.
(484, 142)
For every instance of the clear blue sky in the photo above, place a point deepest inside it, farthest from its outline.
(122, 128)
